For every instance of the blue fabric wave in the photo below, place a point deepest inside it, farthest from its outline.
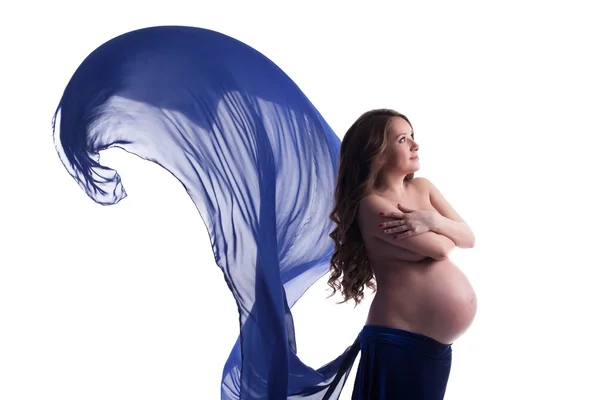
(256, 158)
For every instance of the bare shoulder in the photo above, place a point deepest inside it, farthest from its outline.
(367, 204)
(421, 183)
(368, 215)
(373, 204)
(426, 189)
(372, 201)
(438, 201)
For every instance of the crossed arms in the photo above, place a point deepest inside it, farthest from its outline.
(449, 230)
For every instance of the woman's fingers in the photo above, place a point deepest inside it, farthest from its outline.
(392, 214)
(392, 224)
(402, 228)
(399, 219)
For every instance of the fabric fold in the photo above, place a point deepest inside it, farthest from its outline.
(254, 155)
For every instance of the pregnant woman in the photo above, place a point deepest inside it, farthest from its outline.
(259, 163)
(398, 230)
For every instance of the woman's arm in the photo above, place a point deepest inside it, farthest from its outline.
(428, 244)
(458, 232)
(448, 222)
(405, 254)
(446, 243)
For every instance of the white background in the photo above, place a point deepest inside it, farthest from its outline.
(504, 101)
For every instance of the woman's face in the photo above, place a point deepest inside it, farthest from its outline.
(401, 149)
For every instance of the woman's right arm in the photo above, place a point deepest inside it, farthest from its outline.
(428, 244)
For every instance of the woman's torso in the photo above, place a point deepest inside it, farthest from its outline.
(433, 298)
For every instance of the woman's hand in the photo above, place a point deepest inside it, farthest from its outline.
(412, 222)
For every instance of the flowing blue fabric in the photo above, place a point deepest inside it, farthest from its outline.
(398, 364)
(256, 158)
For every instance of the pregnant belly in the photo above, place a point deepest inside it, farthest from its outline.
(445, 301)
(432, 298)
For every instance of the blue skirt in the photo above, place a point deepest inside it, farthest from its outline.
(396, 364)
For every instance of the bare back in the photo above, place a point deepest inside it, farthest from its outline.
(418, 294)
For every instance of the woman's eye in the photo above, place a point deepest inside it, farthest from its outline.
(402, 138)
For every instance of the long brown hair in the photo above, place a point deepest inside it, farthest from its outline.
(362, 156)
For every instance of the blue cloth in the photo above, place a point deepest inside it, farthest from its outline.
(398, 364)
(254, 155)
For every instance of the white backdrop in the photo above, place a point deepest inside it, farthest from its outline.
(504, 102)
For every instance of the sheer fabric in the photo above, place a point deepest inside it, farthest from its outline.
(256, 158)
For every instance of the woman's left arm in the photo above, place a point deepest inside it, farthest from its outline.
(448, 222)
